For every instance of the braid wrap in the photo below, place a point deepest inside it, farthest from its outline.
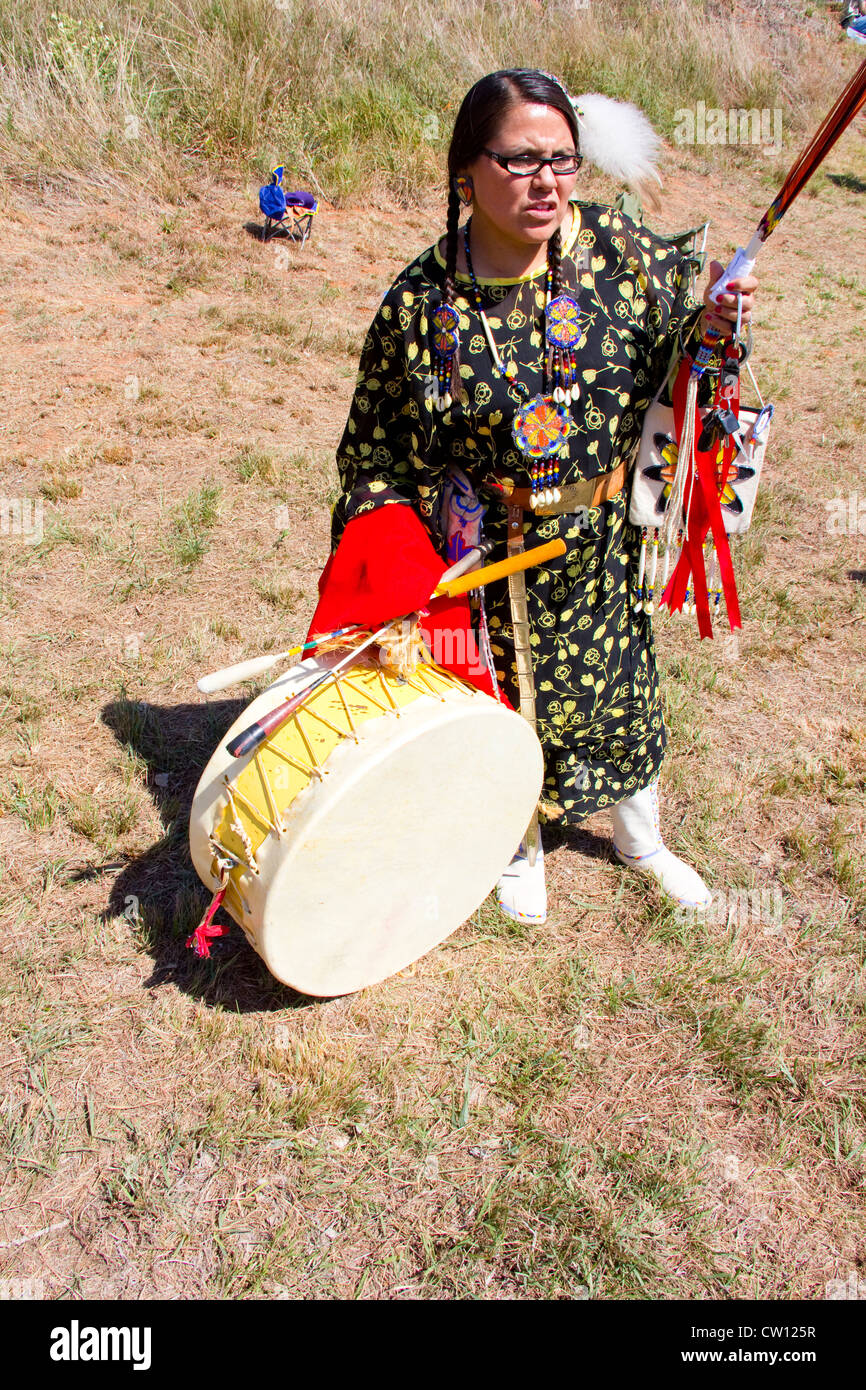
(554, 262)
(450, 275)
(554, 267)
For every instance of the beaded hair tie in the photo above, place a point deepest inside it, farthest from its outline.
(446, 340)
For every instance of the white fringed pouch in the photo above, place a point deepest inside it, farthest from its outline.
(652, 481)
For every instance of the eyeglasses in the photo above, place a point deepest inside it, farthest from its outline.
(525, 165)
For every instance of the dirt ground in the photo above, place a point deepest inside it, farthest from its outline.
(616, 1104)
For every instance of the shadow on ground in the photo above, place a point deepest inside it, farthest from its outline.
(579, 838)
(159, 892)
(849, 182)
(256, 230)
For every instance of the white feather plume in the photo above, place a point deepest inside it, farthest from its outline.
(618, 139)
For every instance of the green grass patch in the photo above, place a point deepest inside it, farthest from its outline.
(59, 487)
(254, 464)
(279, 594)
(188, 539)
(36, 806)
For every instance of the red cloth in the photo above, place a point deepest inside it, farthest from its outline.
(385, 566)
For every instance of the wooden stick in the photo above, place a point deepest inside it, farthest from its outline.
(255, 734)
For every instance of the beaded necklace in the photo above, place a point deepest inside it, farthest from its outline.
(543, 423)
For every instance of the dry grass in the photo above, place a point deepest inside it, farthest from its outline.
(355, 96)
(620, 1104)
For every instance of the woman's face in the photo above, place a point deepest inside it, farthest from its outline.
(524, 209)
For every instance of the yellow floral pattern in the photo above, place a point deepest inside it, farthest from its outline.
(598, 703)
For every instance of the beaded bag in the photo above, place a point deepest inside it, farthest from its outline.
(653, 479)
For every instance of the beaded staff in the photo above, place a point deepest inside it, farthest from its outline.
(834, 124)
(691, 502)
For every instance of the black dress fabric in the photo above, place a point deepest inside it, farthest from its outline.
(597, 696)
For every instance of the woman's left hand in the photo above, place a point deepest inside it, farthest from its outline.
(723, 317)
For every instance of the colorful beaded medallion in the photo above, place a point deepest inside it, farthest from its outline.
(446, 340)
(564, 335)
(541, 427)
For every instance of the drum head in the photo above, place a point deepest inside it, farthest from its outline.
(400, 843)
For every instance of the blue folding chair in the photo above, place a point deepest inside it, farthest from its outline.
(294, 212)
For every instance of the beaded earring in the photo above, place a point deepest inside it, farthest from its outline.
(464, 189)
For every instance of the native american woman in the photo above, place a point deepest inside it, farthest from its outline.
(464, 357)
(597, 696)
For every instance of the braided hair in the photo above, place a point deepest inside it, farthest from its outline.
(451, 272)
(478, 120)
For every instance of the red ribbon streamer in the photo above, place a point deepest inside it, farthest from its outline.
(207, 928)
(704, 514)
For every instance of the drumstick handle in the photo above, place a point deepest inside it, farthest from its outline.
(466, 562)
(251, 738)
(256, 734)
(242, 671)
(257, 665)
(537, 556)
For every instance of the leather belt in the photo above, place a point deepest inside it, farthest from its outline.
(589, 492)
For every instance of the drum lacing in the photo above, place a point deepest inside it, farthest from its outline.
(317, 714)
(310, 769)
(238, 828)
(278, 826)
(315, 765)
(388, 696)
(348, 712)
(201, 938)
(364, 693)
(225, 857)
(429, 686)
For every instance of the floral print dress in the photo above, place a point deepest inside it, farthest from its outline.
(599, 714)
